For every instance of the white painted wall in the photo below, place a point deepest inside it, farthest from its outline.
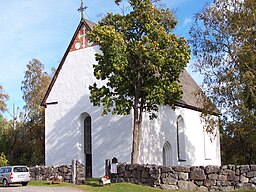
(112, 135)
(156, 132)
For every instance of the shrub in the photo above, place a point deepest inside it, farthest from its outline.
(3, 160)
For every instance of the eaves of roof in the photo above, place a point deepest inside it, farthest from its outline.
(191, 98)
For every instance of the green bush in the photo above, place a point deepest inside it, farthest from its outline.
(3, 160)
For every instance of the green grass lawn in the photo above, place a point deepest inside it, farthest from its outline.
(93, 186)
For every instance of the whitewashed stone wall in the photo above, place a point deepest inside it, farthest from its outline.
(64, 125)
(112, 135)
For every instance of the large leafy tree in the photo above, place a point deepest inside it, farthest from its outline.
(4, 124)
(34, 86)
(223, 41)
(4, 138)
(7, 132)
(3, 98)
(141, 60)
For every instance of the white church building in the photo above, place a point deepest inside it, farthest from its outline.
(75, 129)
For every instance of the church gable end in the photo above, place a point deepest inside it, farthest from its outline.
(81, 40)
(78, 41)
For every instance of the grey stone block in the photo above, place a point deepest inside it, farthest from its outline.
(212, 169)
(197, 174)
(168, 187)
(187, 185)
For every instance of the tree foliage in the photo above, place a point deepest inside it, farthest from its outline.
(34, 86)
(4, 125)
(223, 41)
(141, 60)
(3, 98)
(22, 137)
(3, 160)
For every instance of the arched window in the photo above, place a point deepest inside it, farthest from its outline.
(87, 135)
(167, 152)
(181, 145)
(88, 146)
(208, 145)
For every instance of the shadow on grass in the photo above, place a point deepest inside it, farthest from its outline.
(93, 184)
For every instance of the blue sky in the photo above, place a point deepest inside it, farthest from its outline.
(42, 29)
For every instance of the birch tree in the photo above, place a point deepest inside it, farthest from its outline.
(223, 42)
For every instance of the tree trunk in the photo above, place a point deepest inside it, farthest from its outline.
(137, 123)
(137, 117)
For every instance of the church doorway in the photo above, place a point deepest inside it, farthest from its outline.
(88, 146)
(167, 153)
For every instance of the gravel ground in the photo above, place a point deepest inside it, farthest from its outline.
(37, 189)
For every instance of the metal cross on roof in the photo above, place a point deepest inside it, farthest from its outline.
(81, 9)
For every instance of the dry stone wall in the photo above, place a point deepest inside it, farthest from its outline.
(208, 178)
(66, 171)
